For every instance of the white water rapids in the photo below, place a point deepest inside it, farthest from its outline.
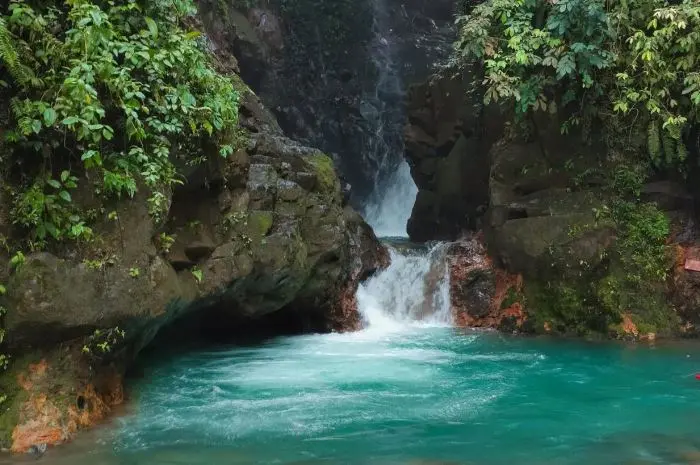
(414, 289)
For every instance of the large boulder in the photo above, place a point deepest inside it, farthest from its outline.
(447, 140)
(262, 232)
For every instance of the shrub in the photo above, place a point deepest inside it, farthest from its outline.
(634, 60)
(111, 91)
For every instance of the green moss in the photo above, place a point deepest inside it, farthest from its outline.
(513, 296)
(260, 223)
(566, 306)
(327, 181)
(15, 397)
(629, 279)
(240, 85)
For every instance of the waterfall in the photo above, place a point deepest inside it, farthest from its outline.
(394, 192)
(413, 289)
(389, 213)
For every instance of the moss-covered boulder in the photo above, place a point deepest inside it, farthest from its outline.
(570, 219)
(261, 232)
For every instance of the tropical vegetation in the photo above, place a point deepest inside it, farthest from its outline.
(106, 97)
(632, 62)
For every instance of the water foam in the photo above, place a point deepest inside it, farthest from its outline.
(414, 289)
(389, 212)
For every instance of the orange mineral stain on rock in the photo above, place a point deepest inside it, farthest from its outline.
(56, 408)
(692, 258)
(628, 325)
(467, 258)
(42, 424)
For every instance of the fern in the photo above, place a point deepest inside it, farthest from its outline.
(10, 57)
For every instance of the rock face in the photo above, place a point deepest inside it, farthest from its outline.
(555, 210)
(535, 207)
(328, 68)
(448, 137)
(264, 231)
(481, 294)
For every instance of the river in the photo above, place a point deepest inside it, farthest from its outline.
(409, 389)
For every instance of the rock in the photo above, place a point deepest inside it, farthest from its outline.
(317, 74)
(446, 147)
(544, 245)
(262, 234)
(50, 300)
(479, 291)
(37, 450)
(537, 224)
(668, 195)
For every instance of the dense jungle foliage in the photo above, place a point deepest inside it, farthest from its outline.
(99, 99)
(626, 72)
(111, 94)
(630, 62)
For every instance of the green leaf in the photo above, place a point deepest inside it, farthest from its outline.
(70, 120)
(51, 229)
(566, 66)
(152, 27)
(36, 126)
(65, 174)
(53, 183)
(50, 116)
(88, 155)
(107, 133)
(65, 196)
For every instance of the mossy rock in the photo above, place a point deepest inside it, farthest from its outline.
(260, 223)
(14, 397)
(326, 179)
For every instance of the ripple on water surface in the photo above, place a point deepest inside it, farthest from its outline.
(415, 395)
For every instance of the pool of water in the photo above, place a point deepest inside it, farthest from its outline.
(411, 395)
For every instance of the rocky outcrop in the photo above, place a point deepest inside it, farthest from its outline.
(318, 65)
(559, 211)
(481, 294)
(562, 215)
(262, 232)
(448, 137)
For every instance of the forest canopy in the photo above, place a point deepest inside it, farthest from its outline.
(110, 93)
(636, 62)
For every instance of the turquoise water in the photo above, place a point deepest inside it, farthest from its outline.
(410, 395)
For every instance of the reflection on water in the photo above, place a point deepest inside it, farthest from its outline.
(414, 395)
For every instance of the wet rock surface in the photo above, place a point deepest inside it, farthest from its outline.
(481, 294)
(448, 136)
(261, 235)
(334, 73)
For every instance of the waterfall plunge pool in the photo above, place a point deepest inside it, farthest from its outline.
(412, 394)
(407, 390)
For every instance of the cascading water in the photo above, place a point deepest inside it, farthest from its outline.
(391, 202)
(413, 289)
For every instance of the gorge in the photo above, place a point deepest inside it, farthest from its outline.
(371, 262)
